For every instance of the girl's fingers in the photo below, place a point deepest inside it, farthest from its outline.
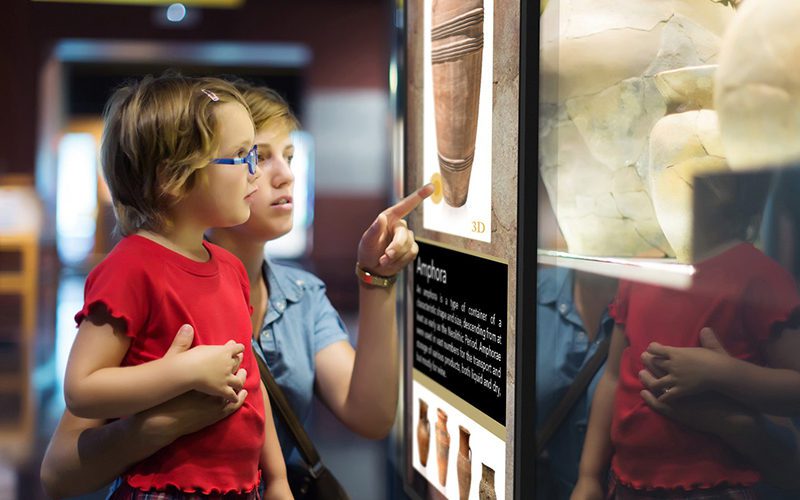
(658, 350)
(648, 361)
(232, 406)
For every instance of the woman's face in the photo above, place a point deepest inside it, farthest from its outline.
(272, 205)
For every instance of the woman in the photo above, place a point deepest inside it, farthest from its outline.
(295, 329)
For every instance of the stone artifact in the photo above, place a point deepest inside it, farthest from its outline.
(464, 463)
(599, 103)
(423, 433)
(456, 56)
(757, 88)
(442, 445)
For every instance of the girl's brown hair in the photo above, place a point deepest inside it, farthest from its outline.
(158, 133)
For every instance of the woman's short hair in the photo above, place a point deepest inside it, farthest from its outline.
(158, 133)
(267, 107)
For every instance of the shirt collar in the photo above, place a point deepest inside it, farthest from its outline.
(282, 290)
(555, 286)
(281, 285)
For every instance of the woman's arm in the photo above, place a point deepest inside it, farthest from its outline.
(84, 455)
(272, 465)
(597, 446)
(361, 387)
(97, 387)
(773, 389)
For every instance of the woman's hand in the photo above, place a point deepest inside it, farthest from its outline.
(684, 371)
(387, 246)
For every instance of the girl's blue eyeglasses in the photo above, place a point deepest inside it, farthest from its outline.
(251, 159)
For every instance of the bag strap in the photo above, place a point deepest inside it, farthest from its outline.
(306, 448)
(576, 389)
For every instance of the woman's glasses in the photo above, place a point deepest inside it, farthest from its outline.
(251, 159)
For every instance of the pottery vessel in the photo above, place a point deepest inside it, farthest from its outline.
(464, 463)
(757, 88)
(486, 488)
(456, 58)
(683, 145)
(423, 433)
(598, 104)
(442, 446)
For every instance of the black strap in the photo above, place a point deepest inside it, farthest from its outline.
(576, 389)
(278, 399)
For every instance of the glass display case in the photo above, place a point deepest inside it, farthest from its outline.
(667, 303)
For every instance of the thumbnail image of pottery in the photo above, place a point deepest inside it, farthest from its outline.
(423, 433)
(442, 446)
(464, 463)
(456, 57)
(486, 490)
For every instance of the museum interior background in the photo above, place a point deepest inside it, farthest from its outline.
(331, 60)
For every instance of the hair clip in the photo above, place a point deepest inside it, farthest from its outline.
(210, 95)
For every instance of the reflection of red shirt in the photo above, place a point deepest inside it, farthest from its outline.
(156, 290)
(743, 295)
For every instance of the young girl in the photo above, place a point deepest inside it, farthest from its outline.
(752, 304)
(295, 328)
(176, 155)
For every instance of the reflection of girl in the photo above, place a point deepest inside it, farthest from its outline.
(752, 304)
(301, 335)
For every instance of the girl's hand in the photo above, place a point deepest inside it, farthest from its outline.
(685, 370)
(190, 411)
(587, 488)
(213, 369)
(387, 246)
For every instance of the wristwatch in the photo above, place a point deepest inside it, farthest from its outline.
(368, 278)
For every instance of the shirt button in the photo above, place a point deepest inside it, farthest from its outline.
(266, 333)
(581, 335)
(563, 308)
(280, 306)
(300, 282)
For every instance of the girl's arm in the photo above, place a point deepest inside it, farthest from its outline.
(97, 387)
(272, 466)
(84, 455)
(773, 389)
(361, 386)
(597, 446)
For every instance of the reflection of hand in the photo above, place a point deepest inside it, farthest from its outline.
(387, 245)
(709, 412)
(684, 371)
(191, 411)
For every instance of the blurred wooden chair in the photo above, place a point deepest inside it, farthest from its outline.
(20, 215)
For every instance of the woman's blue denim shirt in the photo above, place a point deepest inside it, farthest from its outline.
(562, 349)
(300, 321)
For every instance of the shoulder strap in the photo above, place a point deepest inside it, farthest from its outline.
(576, 389)
(278, 399)
(279, 402)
